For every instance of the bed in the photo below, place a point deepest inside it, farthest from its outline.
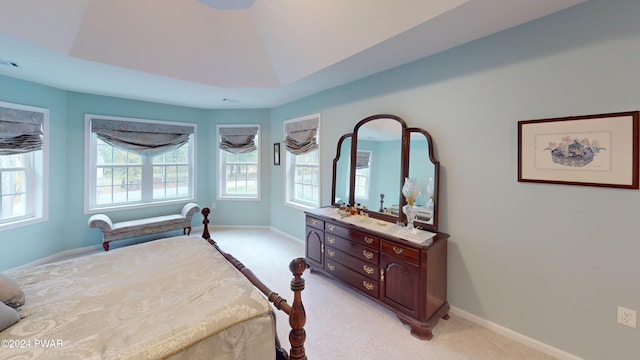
(175, 298)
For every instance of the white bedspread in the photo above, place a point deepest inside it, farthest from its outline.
(175, 297)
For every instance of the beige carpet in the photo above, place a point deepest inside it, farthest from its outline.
(341, 324)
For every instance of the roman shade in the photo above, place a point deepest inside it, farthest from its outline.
(238, 140)
(20, 131)
(301, 136)
(144, 138)
(362, 160)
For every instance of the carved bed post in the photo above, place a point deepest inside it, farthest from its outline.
(205, 233)
(297, 315)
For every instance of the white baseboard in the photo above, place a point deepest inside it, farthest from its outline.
(280, 232)
(262, 227)
(535, 344)
(62, 255)
(198, 230)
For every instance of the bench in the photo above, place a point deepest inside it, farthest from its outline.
(127, 229)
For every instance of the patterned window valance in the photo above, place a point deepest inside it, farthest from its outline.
(301, 136)
(20, 131)
(238, 140)
(143, 138)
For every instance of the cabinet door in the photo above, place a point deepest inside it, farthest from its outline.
(400, 285)
(315, 247)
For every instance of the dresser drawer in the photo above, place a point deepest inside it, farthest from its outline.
(402, 252)
(315, 222)
(364, 268)
(351, 277)
(353, 235)
(356, 250)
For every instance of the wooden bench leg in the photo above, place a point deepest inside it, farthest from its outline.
(186, 231)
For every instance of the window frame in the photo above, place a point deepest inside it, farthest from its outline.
(221, 168)
(91, 165)
(367, 179)
(289, 169)
(37, 175)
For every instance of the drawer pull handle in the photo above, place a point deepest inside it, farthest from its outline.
(331, 267)
(314, 222)
(331, 240)
(331, 227)
(367, 285)
(368, 240)
(397, 250)
(331, 253)
(367, 269)
(367, 254)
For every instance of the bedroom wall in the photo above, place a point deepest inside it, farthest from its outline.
(79, 104)
(37, 240)
(241, 212)
(512, 259)
(550, 262)
(67, 226)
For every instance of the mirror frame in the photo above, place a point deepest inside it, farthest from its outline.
(404, 170)
(335, 169)
(404, 166)
(436, 177)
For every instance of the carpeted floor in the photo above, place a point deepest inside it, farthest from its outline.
(342, 324)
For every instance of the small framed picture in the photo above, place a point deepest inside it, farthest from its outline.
(276, 154)
(591, 150)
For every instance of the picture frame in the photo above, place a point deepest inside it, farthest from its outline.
(589, 150)
(276, 154)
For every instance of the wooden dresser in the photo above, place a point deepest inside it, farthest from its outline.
(385, 262)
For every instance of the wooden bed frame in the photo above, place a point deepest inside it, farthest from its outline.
(296, 313)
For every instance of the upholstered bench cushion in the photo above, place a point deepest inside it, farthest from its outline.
(146, 226)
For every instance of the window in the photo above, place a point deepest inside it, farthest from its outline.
(238, 162)
(363, 161)
(23, 150)
(137, 162)
(302, 179)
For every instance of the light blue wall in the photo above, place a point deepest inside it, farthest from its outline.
(246, 212)
(38, 240)
(67, 226)
(551, 262)
(80, 104)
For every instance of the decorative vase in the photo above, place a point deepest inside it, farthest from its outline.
(410, 190)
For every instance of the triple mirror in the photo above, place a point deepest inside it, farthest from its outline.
(371, 166)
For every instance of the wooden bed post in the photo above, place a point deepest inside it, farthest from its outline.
(297, 315)
(205, 233)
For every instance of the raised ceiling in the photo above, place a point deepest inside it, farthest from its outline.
(186, 52)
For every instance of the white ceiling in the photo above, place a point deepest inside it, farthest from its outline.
(185, 52)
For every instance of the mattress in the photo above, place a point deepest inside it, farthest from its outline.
(172, 298)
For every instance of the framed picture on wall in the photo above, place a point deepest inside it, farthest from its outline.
(590, 150)
(276, 154)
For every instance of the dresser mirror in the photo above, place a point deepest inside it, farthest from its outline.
(341, 171)
(385, 152)
(426, 169)
(377, 146)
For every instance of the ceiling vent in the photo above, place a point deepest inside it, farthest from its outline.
(228, 4)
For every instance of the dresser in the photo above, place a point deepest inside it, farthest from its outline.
(404, 271)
